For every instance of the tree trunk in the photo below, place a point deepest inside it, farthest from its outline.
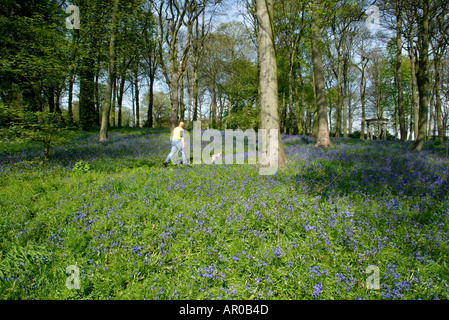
(136, 93)
(195, 93)
(314, 113)
(86, 105)
(323, 138)
(190, 97)
(114, 102)
(107, 104)
(402, 126)
(431, 118)
(58, 101)
(315, 124)
(411, 127)
(133, 102)
(339, 100)
(290, 84)
(220, 109)
(174, 99)
(423, 76)
(51, 100)
(283, 112)
(97, 91)
(268, 83)
(46, 151)
(362, 100)
(345, 102)
(70, 102)
(438, 112)
(150, 102)
(414, 88)
(300, 103)
(119, 93)
(213, 103)
(182, 106)
(349, 113)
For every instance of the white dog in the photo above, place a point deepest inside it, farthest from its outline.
(215, 157)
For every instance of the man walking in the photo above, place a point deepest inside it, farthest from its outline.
(177, 144)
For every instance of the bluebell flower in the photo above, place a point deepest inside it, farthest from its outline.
(317, 290)
(277, 253)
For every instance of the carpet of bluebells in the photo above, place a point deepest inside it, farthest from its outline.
(137, 230)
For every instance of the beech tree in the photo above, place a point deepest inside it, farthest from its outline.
(108, 95)
(268, 84)
(422, 74)
(317, 27)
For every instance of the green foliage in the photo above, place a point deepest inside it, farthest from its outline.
(42, 127)
(82, 166)
(33, 51)
(161, 108)
(247, 118)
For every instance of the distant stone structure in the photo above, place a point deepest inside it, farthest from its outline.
(376, 128)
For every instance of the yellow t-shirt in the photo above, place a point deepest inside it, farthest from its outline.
(178, 133)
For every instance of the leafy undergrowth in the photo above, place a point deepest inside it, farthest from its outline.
(138, 230)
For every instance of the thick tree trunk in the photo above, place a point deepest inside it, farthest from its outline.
(323, 138)
(268, 83)
(423, 76)
(108, 94)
